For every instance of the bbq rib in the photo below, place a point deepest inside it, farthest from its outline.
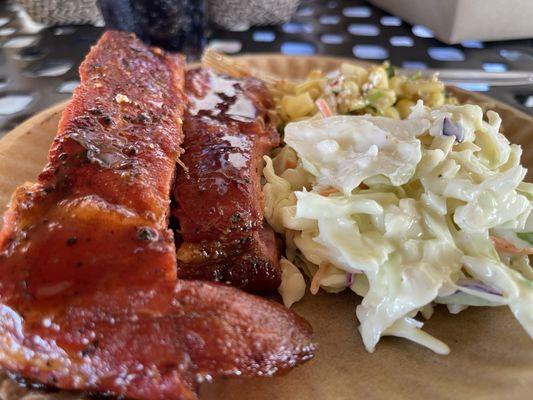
(219, 203)
(89, 298)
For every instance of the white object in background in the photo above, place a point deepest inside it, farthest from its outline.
(458, 76)
(454, 21)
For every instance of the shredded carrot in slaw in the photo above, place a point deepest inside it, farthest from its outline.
(323, 269)
(324, 108)
(327, 191)
(504, 245)
(290, 164)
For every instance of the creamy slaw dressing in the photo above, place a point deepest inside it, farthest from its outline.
(402, 212)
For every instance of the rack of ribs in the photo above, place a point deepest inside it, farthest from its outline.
(218, 198)
(89, 298)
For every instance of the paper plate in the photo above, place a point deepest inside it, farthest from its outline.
(491, 355)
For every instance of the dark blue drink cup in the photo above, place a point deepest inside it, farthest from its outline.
(175, 25)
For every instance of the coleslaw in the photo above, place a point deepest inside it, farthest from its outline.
(411, 213)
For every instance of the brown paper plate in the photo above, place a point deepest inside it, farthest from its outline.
(491, 355)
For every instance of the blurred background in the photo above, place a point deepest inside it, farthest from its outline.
(42, 42)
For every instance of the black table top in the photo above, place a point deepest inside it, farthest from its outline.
(39, 67)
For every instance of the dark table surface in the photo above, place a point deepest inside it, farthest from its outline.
(38, 68)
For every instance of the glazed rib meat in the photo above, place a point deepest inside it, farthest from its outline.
(89, 298)
(219, 203)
